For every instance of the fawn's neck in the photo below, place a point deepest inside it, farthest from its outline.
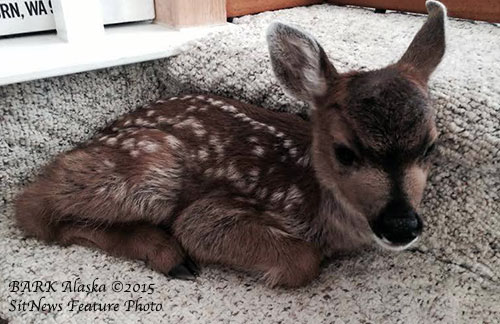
(334, 226)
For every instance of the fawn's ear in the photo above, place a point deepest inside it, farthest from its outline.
(428, 46)
(299, 63)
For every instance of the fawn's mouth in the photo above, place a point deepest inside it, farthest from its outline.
(386, 244)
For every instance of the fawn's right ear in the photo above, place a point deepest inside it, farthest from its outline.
(299, 63)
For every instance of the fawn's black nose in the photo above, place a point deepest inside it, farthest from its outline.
(398, 224)
(401, 230)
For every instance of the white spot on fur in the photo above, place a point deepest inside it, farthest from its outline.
(228, 108)
(128, 144)
(241, 185)
(109, 164)
(173, 141)
(134, 153)
(256, 125)
(277, 196)
(262, 193)
(254, 172)
(294, 195)
(215, 142)
(232, 172)
(220, 172)
(186, 97)
(140, 121)
(251, 186)
(200, 132)
(111, 141)
(198, 128)
(202, 154)
(200, 97)
(287, 143)
(277, 232)
(103, 138)
(191, 108)
(102, 190)
(148, 146)
(128, 122)
(253, 139)
(173, 98)
(151, 113)
(258, 150)
(293, 151)
(186, 122)
(215, 102)
(304, 160)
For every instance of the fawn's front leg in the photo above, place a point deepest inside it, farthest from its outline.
(226, 231)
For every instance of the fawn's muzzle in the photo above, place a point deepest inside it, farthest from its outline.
(397, 226)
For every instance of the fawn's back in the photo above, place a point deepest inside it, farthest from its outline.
(188, 146)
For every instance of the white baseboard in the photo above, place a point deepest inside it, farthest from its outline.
(33, 57)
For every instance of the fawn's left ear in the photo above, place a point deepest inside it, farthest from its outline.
(428, 46)
(299, 62)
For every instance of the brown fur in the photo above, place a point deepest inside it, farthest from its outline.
(229, 183)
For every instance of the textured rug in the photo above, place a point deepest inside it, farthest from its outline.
(451, 276)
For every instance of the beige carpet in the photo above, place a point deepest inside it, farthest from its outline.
(452, 276)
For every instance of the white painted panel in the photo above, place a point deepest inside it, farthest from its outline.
(21, 16)
(78, 21)
(117, 11)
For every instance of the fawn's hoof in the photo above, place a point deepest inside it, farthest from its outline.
(185, 271)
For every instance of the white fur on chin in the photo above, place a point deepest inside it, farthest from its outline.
(386, 244)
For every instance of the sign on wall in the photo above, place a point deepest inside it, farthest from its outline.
(22, 16)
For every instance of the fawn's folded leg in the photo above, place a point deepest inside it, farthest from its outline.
(231, 232)
(145, 242)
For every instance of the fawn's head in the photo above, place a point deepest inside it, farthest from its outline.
(373, 132)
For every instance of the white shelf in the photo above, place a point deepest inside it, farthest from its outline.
(40, 56)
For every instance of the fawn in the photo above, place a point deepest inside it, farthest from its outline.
(200, 179)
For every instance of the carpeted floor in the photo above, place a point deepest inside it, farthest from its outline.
(452, 276)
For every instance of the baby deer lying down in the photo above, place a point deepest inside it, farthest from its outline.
(200, 179)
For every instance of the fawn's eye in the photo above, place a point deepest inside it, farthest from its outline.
(429, 150)
(344, 155)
